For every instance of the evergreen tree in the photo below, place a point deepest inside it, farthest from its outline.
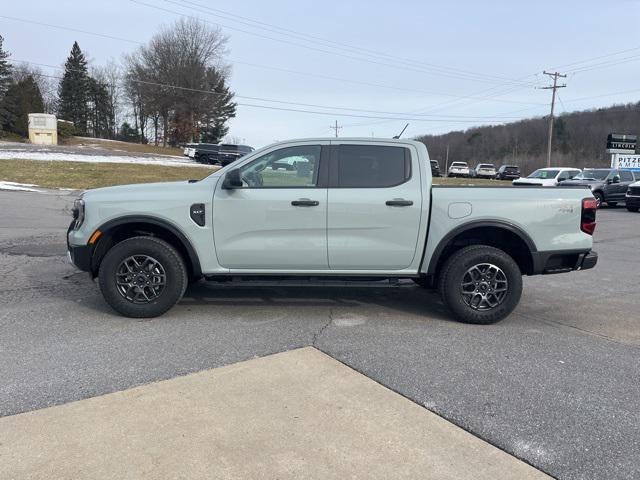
(73, 91)
(5, 80)
(100, 110)
(221, 109)
(21, 99)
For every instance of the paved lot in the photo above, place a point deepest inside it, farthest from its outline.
(557, 384)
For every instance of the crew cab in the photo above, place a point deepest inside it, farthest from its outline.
(547, 177)
(607, 184)
(355, 209)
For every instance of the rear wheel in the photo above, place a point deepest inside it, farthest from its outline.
(612, 204)
(599, 198)
(142, 277)
(480, 284)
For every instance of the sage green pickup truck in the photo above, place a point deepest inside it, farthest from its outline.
(348, 208)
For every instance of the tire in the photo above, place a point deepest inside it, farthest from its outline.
(149, 301)
(599, 198)
(612, 204)
(632, 209)
(456, 270)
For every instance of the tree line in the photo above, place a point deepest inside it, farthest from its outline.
(169, 91)
(579, 140)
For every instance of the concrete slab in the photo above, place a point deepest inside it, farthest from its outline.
(298, 414)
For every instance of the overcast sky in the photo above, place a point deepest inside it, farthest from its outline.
(420, 60)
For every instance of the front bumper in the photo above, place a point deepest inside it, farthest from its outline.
(632, 201)
(563, 261)
(79, 255)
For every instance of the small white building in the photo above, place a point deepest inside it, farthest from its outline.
(43, 129)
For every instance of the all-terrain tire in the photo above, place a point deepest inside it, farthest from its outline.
(171, 263)
(456, 269)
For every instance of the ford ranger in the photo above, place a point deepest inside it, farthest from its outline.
(353, 209)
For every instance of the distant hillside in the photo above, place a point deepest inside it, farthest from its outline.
(579, 140)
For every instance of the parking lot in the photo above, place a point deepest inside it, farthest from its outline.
(557, 384)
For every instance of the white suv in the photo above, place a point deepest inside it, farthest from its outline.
(458, 169)
(548, 177)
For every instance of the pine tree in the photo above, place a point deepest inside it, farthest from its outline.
(73, 91)
(5, 80)
(22, 98)
(221, 109)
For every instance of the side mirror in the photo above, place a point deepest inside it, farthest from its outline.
(232, 179)
(616, 179)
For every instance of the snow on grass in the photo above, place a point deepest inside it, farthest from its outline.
(21, 154)
(21, 187)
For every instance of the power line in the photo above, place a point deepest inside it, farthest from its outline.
(350, 57)
(335, 128)
(327, 42)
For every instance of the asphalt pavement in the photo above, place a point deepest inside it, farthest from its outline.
(557, 384)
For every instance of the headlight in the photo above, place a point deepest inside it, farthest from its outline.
(78, 213)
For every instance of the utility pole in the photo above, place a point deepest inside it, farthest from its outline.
(446, 161)
(336, 128)
(554, 87)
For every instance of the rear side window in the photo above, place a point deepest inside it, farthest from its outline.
(371, 166)
(626, 176)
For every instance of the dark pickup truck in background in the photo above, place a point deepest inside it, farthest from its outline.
(214, 154)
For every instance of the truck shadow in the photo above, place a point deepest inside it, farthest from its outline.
(359, 298)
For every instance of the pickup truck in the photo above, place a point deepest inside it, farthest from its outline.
(355, 209)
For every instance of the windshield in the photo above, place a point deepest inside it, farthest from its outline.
(592, 174)
(544, 174)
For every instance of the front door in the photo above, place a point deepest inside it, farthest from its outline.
(277, 220)
(375, 204)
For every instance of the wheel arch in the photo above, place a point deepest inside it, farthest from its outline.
(496, 233)
(118, 229)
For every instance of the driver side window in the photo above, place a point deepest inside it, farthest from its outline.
(286, 167)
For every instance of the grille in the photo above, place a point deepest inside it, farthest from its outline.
(634, 191)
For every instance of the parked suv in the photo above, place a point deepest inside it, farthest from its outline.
(607, 184)
(632, 198)
(484, 170)
(458, 169)
(547, 177)
(508, 172)
(435, 168)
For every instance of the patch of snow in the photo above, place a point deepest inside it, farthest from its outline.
(71, 157)
(21, 187)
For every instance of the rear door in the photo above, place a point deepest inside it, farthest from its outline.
(278, 219)
(374, 206)
(626, 179)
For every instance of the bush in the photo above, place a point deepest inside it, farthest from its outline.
(65, 130)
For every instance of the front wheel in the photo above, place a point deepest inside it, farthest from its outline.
(142, 277)
(632, 209)
(480, 284)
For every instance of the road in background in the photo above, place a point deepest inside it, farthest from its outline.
(555, 384)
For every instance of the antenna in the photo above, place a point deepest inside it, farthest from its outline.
(400, 134)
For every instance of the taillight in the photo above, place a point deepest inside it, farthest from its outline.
(588, 217)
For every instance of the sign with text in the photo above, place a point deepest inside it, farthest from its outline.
(627, 162)
(621, 143)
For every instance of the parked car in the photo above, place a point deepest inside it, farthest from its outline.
(207, 153)
(362, 209)
(458, 169)
(229, 153)
(632, 198)
(435, 168)
(547, 177)
(607, 184)
(484, 170)
(290, 163)
(508, 172)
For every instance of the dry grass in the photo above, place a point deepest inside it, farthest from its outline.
(470, 181)
(83, 175)
(124, 146)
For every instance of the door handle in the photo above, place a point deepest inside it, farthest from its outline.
(399, 202)
(305, 202)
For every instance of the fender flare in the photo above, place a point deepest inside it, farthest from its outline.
(524, 236)
(159, 222)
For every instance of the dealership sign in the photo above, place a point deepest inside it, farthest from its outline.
(627, 162)
(620, 143)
